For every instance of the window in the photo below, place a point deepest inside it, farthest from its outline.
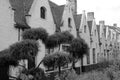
(98, 56)
(50, 68)
(113, 36)
(31, 64)
(94, 55)
(69, 23)
(104, 53)
(85, 29)
(95, 32)
(65, 47)
(49, 51)
(18, 34)
(88, 58)
(65, 66)
(43, 12)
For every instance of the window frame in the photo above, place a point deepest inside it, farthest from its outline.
(43, 12)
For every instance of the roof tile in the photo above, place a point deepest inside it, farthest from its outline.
(90, 25)
(77, 19)
(21, 9)
(57, 12)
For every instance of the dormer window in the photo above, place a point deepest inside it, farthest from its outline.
(43, 12)
(69, 22)
(95, 32)
(85, 29)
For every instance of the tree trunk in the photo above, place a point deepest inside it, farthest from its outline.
(59, 47)
(59, 69)
(39, 64)
(82, 64)
(49, 51)
(73, 65)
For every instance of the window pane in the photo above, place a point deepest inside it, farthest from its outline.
(43, 12)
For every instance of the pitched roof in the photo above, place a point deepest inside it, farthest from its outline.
(21, 9)
(90, 25)
(57, 12)
(77, 19)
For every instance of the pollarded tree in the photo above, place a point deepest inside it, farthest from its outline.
(5, 61)
(38, 73)
(59, 38)
(26, 49)
(78, 48)
(35, 34)
(67, 37)
(53, 41)
(57, 59)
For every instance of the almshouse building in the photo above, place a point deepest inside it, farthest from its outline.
(94, 42)
(8, 33)
(18, 15)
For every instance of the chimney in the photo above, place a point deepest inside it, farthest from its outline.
(90, 16)
(73, 5)
(114, 25)
(102, 22)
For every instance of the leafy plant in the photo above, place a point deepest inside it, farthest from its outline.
(26, 49)
(57, 59)
(78, 48)
(38, 73)
(6, 59)
(59, 38)
(35, 34)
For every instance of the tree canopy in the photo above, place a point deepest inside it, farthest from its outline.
(6, 59)
(57, 59)
(35, 34)
(24, 49)
(59, 38)
(78, 48)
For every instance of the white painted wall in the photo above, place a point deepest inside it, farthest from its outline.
(85, 36)
(68, 14)
(35, 21)
(8, 34)
(95, 43)
(41, 53)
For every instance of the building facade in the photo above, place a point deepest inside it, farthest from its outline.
(16, 15)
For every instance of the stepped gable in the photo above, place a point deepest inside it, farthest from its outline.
(77, 19)
(90, 25)
(57, 12)
(21, 8)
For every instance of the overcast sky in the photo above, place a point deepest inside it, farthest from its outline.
(107, 10)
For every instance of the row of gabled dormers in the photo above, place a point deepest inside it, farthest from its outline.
(99, 37)
(55, 18)
(43, 13)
